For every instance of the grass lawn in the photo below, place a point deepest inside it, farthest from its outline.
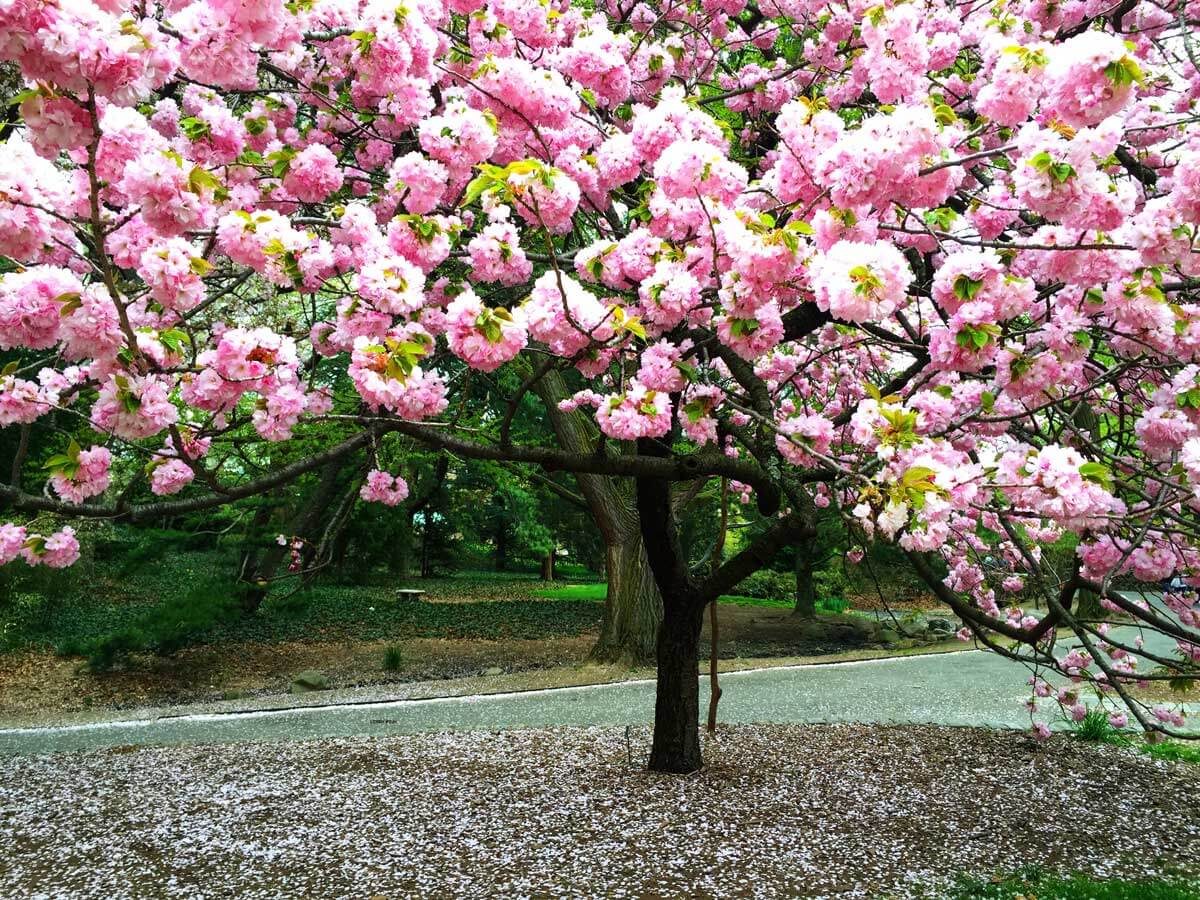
(1033, 883)
(597, 590)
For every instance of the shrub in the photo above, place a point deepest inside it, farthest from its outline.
(833, 605)
(1095, 727)
(767, 584)
(1174, 750)
(393, 658)
(183, 619)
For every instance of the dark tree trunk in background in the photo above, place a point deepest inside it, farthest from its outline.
(261, 568)
(806, 589)
(501, 546)
(548, 565)
(633, 606)
(426, 563)
(418, 501)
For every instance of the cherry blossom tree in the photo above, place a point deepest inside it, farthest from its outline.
(933, 266)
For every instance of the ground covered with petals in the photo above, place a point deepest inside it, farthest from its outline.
(839, 811)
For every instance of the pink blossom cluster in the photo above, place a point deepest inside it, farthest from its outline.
(860, 282)
(383, 487)
(484, 337)
(57, 551)
(637, 413)
(85, 473)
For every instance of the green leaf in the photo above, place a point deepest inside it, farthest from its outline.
(1124, 71)
(200, 266)
(194, 129)
(475, 189)
(1189, 399)
(70, 301)
(688, 370)
(364, 39)
(965, 287)
(1097, 473)
(200, 179)
(174, 340)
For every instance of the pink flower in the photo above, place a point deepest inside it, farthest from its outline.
(1089, 77)
(639, 412)
(659, 367)
(388, 374)
(30, 306)
(57, 551)
(391, 284)
(496, 255)
(170, 477)
(381, 487)
(134, 407)
(313, 174)
(567, 319)
(485, 338)
(860, 282)
(799, 433)
(12, 538)
(545, 198)
(690, 168)
(81, 473)
(418, 182)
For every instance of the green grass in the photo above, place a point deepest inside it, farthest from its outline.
(598, 590)
(322, 613)
(393, 658)
(589, 592)
(1095, 728)
(1033, 882)
(1173, 750)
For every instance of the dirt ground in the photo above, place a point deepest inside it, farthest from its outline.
(44, 681)
(33, 682)
(779, 811)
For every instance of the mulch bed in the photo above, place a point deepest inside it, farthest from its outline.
(780, 811)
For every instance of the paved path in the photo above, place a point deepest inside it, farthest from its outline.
(968, 688)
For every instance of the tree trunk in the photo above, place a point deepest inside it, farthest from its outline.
(426, 563)
(501, 546)
(257, 575)
(632, 608)
(676, 744)
(806, 590)
(548, 565)
(633, 605)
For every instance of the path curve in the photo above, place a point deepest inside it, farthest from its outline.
(971, 688)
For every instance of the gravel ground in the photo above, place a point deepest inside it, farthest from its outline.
(781, 811)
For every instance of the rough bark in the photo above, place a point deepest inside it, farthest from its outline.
(806, 589)
(633, 605)
(676, 744)
(259, 570)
